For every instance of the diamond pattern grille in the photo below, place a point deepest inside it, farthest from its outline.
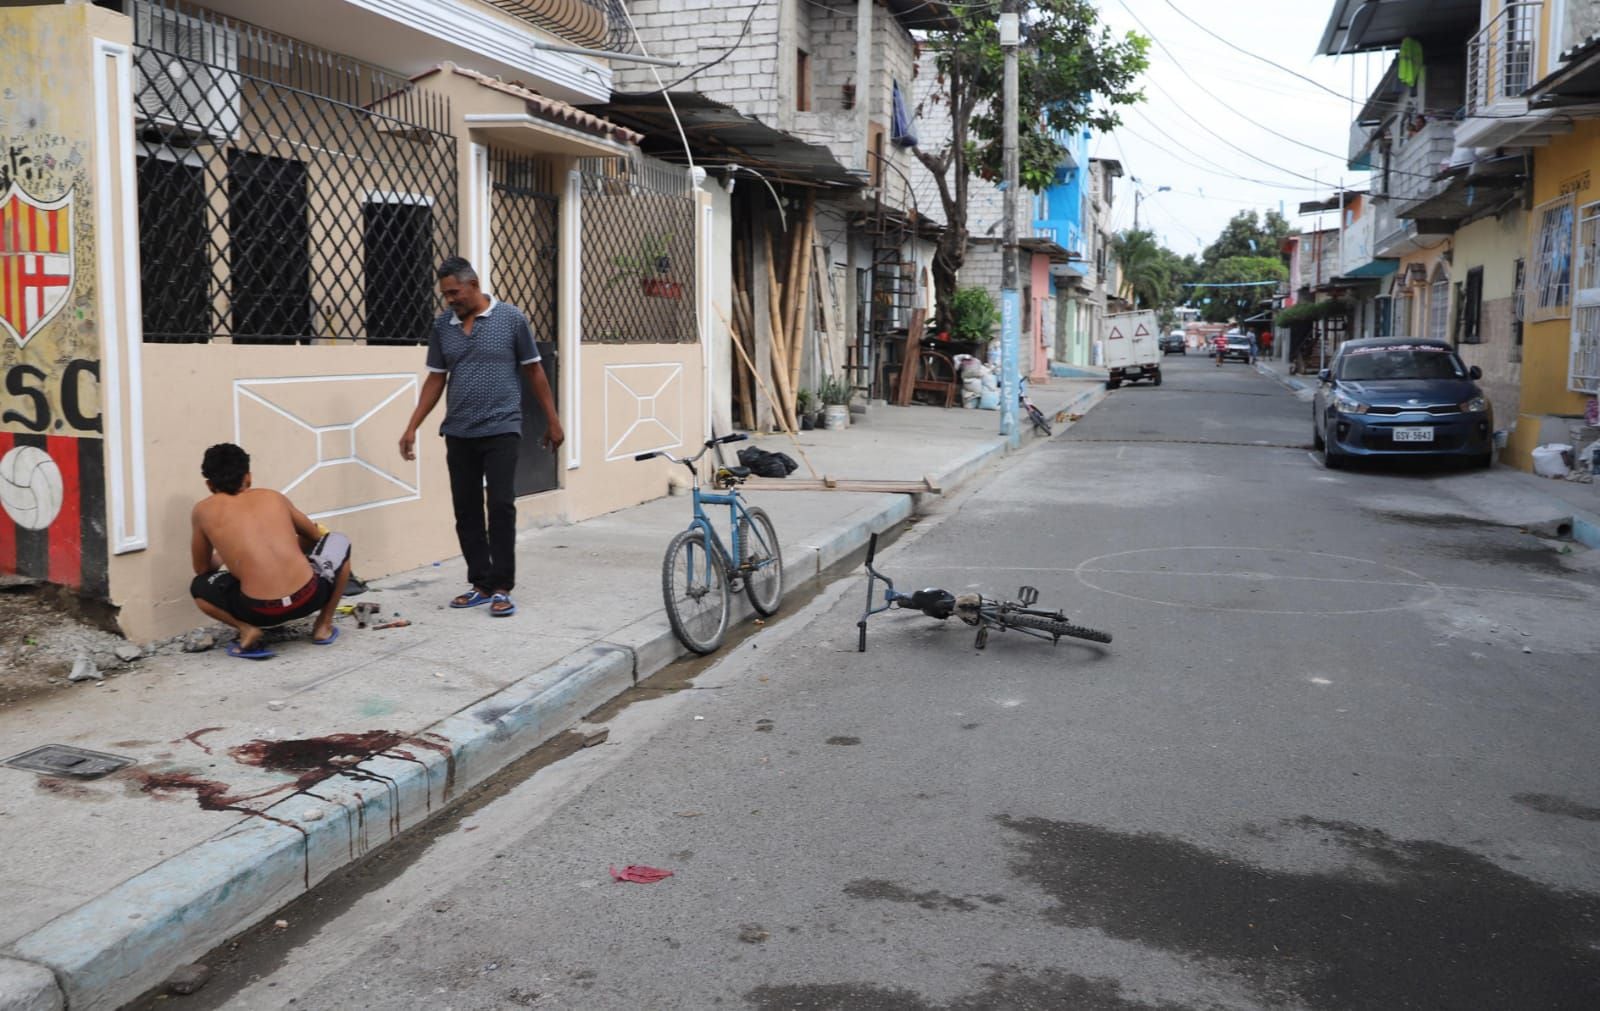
(525, 224)
(285, 193)
(638, 252)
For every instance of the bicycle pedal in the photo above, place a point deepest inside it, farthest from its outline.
(1028, 595)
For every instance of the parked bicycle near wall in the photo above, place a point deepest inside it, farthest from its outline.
(700, 573)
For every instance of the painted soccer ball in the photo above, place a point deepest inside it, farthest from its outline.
(30, 487)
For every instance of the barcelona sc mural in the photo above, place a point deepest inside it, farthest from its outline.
(52, 485)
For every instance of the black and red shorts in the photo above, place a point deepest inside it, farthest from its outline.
(223, 590)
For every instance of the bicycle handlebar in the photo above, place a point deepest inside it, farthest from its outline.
(721, 440)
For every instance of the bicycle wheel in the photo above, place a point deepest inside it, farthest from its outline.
(762, 561)
(1039, 422)
(1053, 626)
(696, 591)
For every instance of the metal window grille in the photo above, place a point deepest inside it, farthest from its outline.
(1402, 316)
(285, 193)
(638, 227)
(1583, 373)
(525, 224)
(1439, 310)
(1552, 259)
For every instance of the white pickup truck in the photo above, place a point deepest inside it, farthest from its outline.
(1132, 348)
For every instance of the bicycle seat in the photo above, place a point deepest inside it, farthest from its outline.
(731, 475)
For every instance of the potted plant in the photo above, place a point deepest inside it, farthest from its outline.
(805, 408)
(835, 396)
(650, 266)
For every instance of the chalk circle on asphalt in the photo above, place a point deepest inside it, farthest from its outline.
(30, 487)
(1286, 581)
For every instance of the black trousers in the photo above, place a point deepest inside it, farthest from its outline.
(476, 466)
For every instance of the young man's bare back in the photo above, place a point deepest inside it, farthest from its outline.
(280, 565)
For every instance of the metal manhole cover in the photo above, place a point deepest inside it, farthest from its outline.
(65, 760)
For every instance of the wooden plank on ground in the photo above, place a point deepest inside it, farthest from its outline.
(926, 486)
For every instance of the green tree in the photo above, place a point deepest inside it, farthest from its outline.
(1226, 292)
(1248, 234)
(1072, 72)
(1143, 267)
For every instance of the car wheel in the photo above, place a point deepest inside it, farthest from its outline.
(1332, 458)
(1112, 384)
(1317, 442)
(1484, 461)
(1156, 379)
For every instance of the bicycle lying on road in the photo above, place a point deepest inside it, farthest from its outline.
(700, 574)
(972, 608)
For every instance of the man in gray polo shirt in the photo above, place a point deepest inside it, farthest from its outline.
(476, 349)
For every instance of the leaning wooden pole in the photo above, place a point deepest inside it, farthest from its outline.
(800, 328)
(788, 429)
(780, 372)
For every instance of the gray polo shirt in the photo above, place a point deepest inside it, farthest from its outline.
(484, 395)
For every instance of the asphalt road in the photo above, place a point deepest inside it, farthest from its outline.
(1341, 754)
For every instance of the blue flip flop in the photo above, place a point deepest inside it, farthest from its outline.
(256, 652)
(477, 598)
(329, 641)
(508, 612)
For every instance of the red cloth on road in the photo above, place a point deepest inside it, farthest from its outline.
(639, 874)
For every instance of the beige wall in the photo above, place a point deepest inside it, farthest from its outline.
(1495, 244)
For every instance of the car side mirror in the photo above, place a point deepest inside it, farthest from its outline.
(1475, 372)
(1325, 375)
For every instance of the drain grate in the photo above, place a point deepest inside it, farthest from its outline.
(66, 760)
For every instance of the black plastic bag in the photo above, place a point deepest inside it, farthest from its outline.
(765, 464)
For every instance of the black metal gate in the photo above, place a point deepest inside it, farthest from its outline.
(524, 256)
(285, 193)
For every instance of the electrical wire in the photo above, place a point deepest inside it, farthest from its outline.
(707, 66)
(1309, 80)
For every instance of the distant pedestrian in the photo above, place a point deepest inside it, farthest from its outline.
(1266, 343)
(477, 349)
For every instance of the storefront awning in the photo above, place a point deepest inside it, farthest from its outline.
(721, 135)
(1372, 270)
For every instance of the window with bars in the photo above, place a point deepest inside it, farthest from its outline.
(1402, 315)
(638, 252)
(1583, 371)
(1551, 294)
(285, 193)
(1439, 309)
(1469, 321)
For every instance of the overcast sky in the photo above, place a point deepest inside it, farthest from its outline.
(1203, 145)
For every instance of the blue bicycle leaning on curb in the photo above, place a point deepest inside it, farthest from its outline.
(700, 573)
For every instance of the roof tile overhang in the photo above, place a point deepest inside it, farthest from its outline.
(1365, 26)
(924, 15)
(1049, 247)
(1576, 83)
(523, 118)
(723, 136)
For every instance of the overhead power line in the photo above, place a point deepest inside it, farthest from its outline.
(1256, 56)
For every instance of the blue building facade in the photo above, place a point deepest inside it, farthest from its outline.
(1061, 213)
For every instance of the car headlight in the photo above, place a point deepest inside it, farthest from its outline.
(1345, 404)
(1477, 405)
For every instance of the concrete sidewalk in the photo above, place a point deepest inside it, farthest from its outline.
(252, 781)
(1572, 500)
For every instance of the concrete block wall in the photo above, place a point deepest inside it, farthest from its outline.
(697, 31)
(984, 267)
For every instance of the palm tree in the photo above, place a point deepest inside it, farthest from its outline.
(1142, 267)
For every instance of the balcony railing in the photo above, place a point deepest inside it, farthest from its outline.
(598, 24)
(1502, 60)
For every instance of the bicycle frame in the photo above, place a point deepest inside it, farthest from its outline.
(731, 498)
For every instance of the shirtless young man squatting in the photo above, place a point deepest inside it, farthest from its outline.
(280, 565)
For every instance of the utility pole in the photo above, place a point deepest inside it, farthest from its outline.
(1010, 284)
